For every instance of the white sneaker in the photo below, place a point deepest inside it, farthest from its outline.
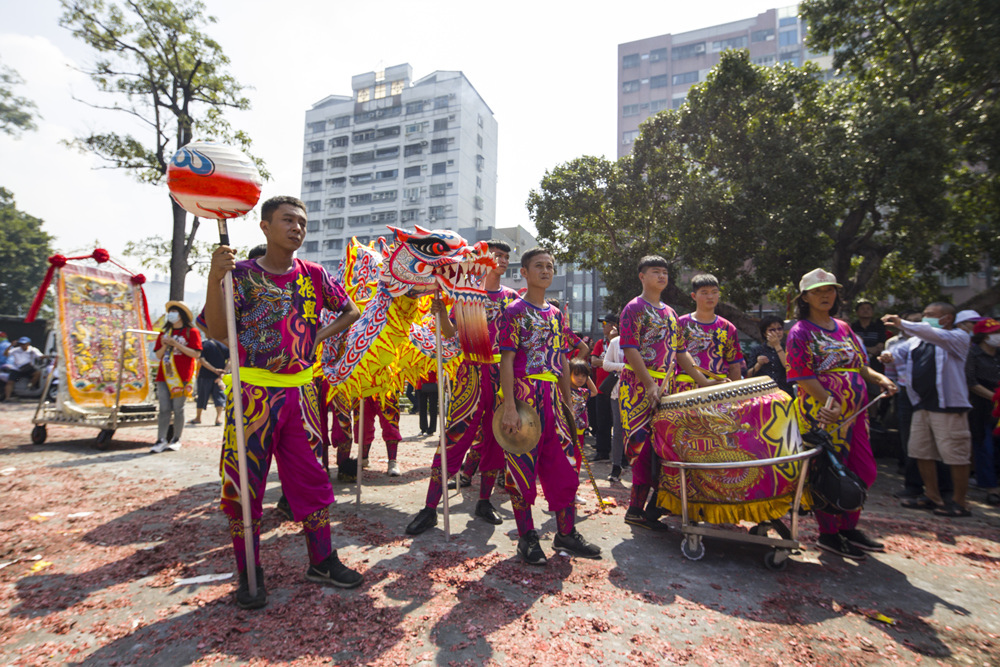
(174, 446)
(394, 470)
(364, 464)
(580, 500)
(159, 447)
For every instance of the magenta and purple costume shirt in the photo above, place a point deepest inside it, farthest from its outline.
(536, 336)
(712, 346)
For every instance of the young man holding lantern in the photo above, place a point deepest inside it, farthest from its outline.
(278, 300)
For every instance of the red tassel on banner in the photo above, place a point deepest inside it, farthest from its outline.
(138, 280)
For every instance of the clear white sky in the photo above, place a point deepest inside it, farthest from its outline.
(547, 69)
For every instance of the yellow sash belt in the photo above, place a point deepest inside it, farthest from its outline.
(659, 375)
(544, 377)
(262, 378)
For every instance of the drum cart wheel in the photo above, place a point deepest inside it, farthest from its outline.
(776, 560)
(38, 434)
(692, 547)
(104, 438)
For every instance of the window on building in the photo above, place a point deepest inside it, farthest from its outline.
(480, 163)
(657, 55)
(313, 206)
(335, 202)
(336, 182)
(410, 172)
(414, 128)
(386, 153)
(630, 110)
(387, 132)
(396, 88)
(479, 119)
(479, 203)
(384, 218)
(333, 223)
(435, 212)
(359, 221)
(338, 142)
(386, 175)
(361, 158)
(788, 38)
(685, 77)
(479, 140)
(341, 122)
(318, 126)
(363, 136)
(762, 35)
(316, 146)
(687, 51)
(313, 186)
(413, 149)
(630, 136)
(765, 61)
(337, 162)
(630, 86)
(787, 21)
(678, 102)
(630, 61)
(362, 178)
(731, 43)
(312, 226)
(411, 194)
(364, 95)
(311, 246)
(408, 215)
(439, 168)
(314, 165)
(439, 189)
(440, 124)
(380, 91)
(441, 102)
(659, 81)
(439, 145)
(362, 198)
(479, 182)
(385, 195)
(333, 244)
(658, 105)
(794, 57)
(415, 107)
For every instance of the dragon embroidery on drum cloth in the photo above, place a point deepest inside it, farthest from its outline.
(268, 304)
(702, 436)
(392, 285)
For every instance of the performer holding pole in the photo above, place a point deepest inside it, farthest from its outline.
(273, 319)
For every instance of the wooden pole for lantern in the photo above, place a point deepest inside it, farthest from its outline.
(238, 419)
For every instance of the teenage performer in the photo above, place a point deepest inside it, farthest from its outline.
(712, 341)
(534, 369)
(828, 361)
(278, 300)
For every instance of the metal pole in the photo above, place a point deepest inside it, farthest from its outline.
(361, 451)
(238, 419)
(441, 422)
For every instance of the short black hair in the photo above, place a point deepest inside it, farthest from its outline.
(861, 302)
(257, 251)
(498, 244)
(268, 208)
(579, 367)
(554, 302)
(703, 280)
(766, 322)
(650, 261)
(531, 254)
(802, 308)
(949, 309)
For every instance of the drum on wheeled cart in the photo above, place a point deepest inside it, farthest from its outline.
(732, 453)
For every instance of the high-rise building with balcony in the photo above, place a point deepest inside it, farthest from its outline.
(397, 152)
(655, 73)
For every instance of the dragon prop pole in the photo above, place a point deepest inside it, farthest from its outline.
(238, 419)
(441, 417)
(361, 451)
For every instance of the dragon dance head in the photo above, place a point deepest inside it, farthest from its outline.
(428, 260)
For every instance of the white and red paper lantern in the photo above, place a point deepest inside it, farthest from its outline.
(213, 180)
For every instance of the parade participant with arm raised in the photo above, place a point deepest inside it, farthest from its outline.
(470, 412)
(177, 348)
(534, 369)
(830, 365)
(650, 341)
(278, 300)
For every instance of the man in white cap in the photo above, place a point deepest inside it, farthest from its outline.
(966, 319)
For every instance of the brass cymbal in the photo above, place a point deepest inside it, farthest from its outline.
(526, 438)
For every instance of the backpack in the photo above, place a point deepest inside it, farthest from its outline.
(834, 488)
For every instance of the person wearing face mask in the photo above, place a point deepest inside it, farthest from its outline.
(982, 373)
(934, 359)
(177, 347)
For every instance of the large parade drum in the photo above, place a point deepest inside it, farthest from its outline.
(746, 420)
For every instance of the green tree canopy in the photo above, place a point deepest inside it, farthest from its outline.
(158, 66)
(17, 114)
(24, 253)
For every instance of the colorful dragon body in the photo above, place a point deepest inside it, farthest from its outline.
(393, 287)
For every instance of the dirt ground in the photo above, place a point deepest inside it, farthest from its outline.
(95, 545)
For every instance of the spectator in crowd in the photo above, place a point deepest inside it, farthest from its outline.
(982, 373)
(934, 359)
(966, 320)
(871, 331)
(209, 383)
(177, 348)
(603, 416)
(769, 358)
(613, 363)
(4, 346)
(21, 363)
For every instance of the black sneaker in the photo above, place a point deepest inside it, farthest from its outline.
(486, 511)
(862, 541)
(600, 457)
(426, 518)
(463, 479)
(347, 471)
(284, 509)
(575, 545)
(616, 474)
(530, 550)
(334, 573)
(637, 518)
(836, 543)
(243, 598)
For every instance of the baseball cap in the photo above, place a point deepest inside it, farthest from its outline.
(987, 325)
(23, 339)
(817, 278)
(610, 317)
(967, 316)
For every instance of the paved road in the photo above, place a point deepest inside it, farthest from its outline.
(93, 543)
